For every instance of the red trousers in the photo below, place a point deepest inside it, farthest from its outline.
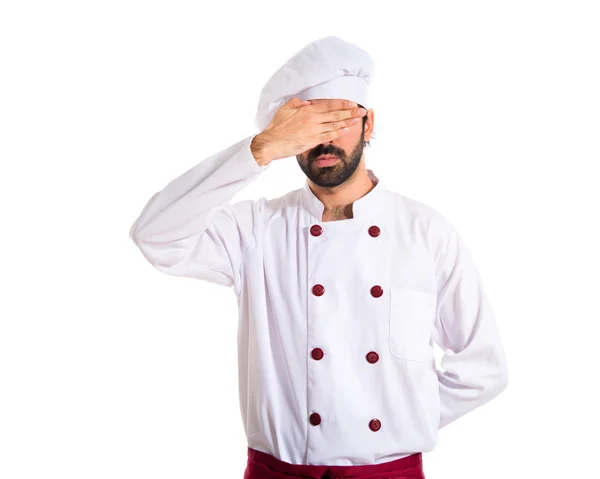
(264, 466)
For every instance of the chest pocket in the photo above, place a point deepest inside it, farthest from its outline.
(412, 316)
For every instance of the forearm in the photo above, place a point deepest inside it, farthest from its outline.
(182, 210)
(474, 363)
(467, 384)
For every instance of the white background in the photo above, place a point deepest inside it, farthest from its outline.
(486, 111)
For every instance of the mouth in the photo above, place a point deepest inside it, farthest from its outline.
(326, 160)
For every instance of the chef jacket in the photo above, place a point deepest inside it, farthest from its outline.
(337, 319)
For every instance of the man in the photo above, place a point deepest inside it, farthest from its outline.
(343, 286)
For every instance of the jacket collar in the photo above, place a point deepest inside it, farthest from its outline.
(362, 208)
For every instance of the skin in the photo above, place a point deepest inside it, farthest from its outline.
(339, 185)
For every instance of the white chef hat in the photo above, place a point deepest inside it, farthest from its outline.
(326, 68)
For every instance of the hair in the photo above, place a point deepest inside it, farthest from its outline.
(364, 118)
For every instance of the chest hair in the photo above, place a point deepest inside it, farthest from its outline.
(338, 213)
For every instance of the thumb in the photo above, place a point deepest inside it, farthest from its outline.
(297, 103)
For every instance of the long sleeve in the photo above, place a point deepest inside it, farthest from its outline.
(190, 228)
(465, 328)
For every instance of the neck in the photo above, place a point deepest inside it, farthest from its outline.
(338, 200)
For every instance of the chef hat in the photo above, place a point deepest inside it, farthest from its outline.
(326, 68)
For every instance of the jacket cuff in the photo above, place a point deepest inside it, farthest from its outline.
(246, 160)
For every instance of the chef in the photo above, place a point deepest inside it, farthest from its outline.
(343, 285)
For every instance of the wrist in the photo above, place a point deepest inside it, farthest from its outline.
(259, 147)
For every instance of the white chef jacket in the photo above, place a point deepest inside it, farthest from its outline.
(337, 319)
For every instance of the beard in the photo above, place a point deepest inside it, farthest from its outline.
(336, 174)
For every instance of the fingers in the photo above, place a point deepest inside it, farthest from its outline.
(330, 117)
(335, 110)
(325, 105)
(330, 135)
(344, 124)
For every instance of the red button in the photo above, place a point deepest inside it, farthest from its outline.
(317, 353)
(377, 291)
(318, 290)
(372, 357)
(374, 231)
(315, 419)
(316, 230)
(374, 425)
